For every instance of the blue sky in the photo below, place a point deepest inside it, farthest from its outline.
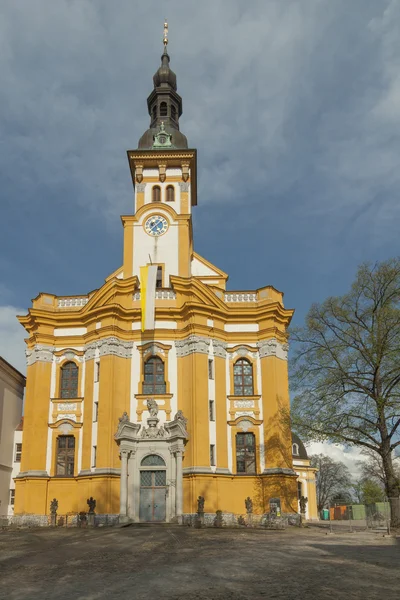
(294, 108)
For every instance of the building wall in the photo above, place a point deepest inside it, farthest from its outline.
(11, 397)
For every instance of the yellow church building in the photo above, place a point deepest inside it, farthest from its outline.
(160, 386)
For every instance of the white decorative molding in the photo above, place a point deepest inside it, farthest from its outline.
(67, 331)
(243, 403)
(245, 425)
(65, 428)
(72, 302)
(66, 406)
(243, 351)
(140, 187)
(245, 413)
(272, 347)
(70, 416)
(184, 185)
(153, 349)
(192, 344)
(39, 353)
(110, 346)
(241, 297)
(160, 295)
(219, 348)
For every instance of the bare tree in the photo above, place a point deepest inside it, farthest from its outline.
(346, 370)
(333, 479)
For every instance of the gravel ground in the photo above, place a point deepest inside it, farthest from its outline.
(151, 562)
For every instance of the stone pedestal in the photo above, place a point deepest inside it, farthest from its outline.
(53, 519)
(91, 519)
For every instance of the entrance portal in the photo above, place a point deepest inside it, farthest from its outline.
(153, 492)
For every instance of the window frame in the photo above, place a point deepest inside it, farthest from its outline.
(18, 452)
(150, 386)
(211, 369)
(12, 497)
(159, 277)
(247, 457)
(156, 190)
(170, 188)
(95, 411)
(66, 454)
(297, 448)
(69, 391)
(163, 109)
(240, 389)
(211, 410)
(212, 455)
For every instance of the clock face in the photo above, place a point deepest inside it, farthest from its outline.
(156, 225)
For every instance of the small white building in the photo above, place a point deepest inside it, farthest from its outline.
(12, 384)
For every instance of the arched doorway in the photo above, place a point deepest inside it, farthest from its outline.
(153, 489)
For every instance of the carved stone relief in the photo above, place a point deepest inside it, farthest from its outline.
(191, 345)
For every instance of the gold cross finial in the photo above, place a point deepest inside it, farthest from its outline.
(165, 40)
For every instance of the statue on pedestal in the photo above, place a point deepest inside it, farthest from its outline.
(91, 502)
(152, 407)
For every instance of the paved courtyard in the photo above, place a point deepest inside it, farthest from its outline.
(154, 562)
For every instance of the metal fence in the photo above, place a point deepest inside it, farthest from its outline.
(353, 517)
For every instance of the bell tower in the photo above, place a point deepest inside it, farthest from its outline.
(163, 171)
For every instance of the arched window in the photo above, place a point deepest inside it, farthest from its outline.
(173, 112)
(295, 449)
(69, 381)
(65, 455)
(245, 453)
(156, 194)
(153, 460)
(163, 109)
(154, 381)
(170, 193)
(243, 378)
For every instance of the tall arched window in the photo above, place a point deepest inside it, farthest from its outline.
(170, 193)
(295, 449)
(245, 453)
(173, 112)
(243, 378)
(154, 379)
(69, 381)
(156, 194)
(163, 109)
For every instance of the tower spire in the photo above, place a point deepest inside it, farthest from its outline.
(164, 104)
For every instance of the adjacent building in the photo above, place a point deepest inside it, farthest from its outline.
(12, 384)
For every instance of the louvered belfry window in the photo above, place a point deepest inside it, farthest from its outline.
(243, 378)
(154, 380)
(69, 381)
(170, 193)
(156, 197)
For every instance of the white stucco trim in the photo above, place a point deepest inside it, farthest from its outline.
(241, 327)
(65, 331)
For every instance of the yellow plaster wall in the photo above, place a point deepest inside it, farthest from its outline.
(275, 395)
(36, 417)
(227, 493)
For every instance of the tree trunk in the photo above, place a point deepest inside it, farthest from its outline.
(391, 486)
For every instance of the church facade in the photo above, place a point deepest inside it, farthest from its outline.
(160, 386)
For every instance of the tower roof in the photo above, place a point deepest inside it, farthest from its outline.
(164, 105)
